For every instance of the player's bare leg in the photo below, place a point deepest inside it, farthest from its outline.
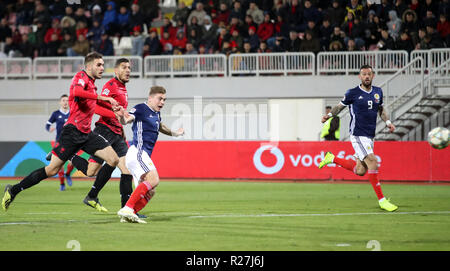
(140, 197)
(360, 168)
(372, 169)
(110, 157)
(32, 179)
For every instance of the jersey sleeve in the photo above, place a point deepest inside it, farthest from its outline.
(50, 121)
(135, 112)
(347, 99)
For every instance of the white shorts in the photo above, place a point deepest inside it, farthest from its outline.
(362, 145)
(138, 163)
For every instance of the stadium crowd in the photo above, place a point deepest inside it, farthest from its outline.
(32, 28)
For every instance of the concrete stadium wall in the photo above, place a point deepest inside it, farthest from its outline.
(209, 108)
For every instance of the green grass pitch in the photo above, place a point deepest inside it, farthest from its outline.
(232, 216)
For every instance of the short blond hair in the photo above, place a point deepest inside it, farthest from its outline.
(157, 89)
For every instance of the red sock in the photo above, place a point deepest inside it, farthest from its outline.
(138, 194)
(69, 168)
(373, 178)
(140, 204)
(347, 164)
(61, 176)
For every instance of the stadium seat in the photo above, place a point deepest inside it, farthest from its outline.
(125, 45)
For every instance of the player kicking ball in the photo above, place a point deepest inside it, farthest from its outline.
(365, 102)
(146, 119)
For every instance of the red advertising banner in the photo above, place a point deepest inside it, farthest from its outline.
(399, 161)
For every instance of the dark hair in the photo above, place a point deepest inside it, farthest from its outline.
(91, 57)
(120, 61)
(157, 89)
(63, 96)
(328, 107)
(365, 67)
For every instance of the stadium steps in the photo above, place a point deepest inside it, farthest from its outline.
(430, 112)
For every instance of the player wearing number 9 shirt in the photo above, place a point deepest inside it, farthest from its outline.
(365, 102)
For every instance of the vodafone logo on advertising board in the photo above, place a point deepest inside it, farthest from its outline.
(296, 160)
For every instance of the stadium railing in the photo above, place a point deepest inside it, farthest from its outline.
(185, 65)
(257, 64)
(271, 64)
(66, 67)
(15, 68)
(350, 62)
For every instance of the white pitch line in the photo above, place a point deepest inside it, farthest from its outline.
(303, 215)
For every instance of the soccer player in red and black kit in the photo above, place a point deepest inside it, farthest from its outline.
(110, 128)
(76, 133)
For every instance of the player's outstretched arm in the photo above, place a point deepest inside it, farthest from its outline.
(384, 116)
(123, 116)
(166, 130)
(334, 112)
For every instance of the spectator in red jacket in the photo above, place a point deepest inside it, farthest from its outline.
(223, 14)
(443, 27)
(266, 29)
(55, 29)
(180, 41)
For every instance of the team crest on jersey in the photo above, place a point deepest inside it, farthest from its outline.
(377, 97)
(106, 91)
(81, 82)
(132, 110)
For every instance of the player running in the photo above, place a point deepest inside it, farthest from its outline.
(365, 103)
(146, 119)
(59, 117)
(76, 133)
(110, 128)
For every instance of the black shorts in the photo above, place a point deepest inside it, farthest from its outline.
(72, 140)
(116, 141)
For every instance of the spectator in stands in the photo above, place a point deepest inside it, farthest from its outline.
(167, 49)
(400, 7)
(310, 43)
(194, 24)
(96, 13)
(136, 17)
(336, 46)
(293, 43)
(55, 29)
(266, 29)
(66, 43)
(180, 27)
(194, 37)
(153, 42)
(180, 41)
(168, 27)
(394, 24)
(24, 13)
(386, 42)
(256, 14)
(209, 33)
(10, 49)
(150, 9)
(371, 33)
(94, 34)
(311, 26)
(25, 47)
(123, 19)
(443, 28)
(190, 49)
(165, 39)
(336, 13)
(80, 48)
(51, 48)
(105, 47)
(310, 13)
(182, 12)
(226, 49)
(223, 14)
(263, 48)
(235, 23)
(435, 38)
(223, 37)
(68, 26)
(110, 18)
(237, 11)
(353, 30)
(279, 44)
(356, 8)
(325, 32)
(253, 38)
(69, 12)
(351, 45)
(137, 41)
(38, 37)
(41, 14)
(81, 28)
(247, 24)
(79, 16)
(404, 43)
(292, 14)
(428, 6)
(198, 12)
(236, 40)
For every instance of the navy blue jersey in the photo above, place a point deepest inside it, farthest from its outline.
(58, 117)
(145, 127)
(363, 107)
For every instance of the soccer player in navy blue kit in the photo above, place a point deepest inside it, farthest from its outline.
(365, 103)
(59, 118)
(146, 119)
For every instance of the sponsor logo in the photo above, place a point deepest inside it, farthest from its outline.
(265, 169)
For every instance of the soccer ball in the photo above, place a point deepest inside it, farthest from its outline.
(438, 137)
